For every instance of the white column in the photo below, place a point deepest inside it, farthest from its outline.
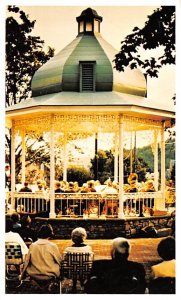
(121, 170)
(131, 153)
(13, 167)
(163, 165)
(65, 158)
(52, 172)
(156, 159)
(116, 159)
(23, 157)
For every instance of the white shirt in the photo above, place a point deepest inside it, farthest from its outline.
(14, 237)
(83, 249)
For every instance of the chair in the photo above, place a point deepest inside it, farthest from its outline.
(13, 256)
(34, 286)
(162, 285)
(77, 267)
(13, 261)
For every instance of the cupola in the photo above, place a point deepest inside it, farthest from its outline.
(89, 22)
(87, 65)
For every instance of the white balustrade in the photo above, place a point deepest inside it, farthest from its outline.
(88, 205)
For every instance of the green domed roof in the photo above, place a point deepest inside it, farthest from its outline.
(89, 57)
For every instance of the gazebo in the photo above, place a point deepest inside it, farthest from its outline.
(79, 92)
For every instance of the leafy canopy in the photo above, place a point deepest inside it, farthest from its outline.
(24, 55)
(159, 31)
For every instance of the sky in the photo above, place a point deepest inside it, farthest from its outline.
(57, 26)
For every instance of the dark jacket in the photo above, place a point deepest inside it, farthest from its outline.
(116, 277)
(25, 189)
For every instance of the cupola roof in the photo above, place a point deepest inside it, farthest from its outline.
(86, 65)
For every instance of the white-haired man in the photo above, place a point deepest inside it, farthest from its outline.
(117, 275)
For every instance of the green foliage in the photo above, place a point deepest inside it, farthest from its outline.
(159, 31)
(79, 174)
(105, 161)
(147, 155)
(105, 165)
(24, 55)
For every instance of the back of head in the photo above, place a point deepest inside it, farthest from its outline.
(78, 235)
(166, 248)
(8, 225)
(15, 217)
(71, 184)
(57, 185)
(109, 183)
(26, 221)
(26, 183)
(45, 232)
(40, 186)
(120, 248)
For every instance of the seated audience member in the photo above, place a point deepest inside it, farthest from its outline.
(166, 250)
(14, 237)
(15, 217)
(26, 232)
(117, 275)
(25, 189)
(163, 280)
(78, 237)
(43, 259)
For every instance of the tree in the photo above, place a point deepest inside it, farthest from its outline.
(24, 55)
(106, 166)
(79, 174)
(105, 161)
(159, 31)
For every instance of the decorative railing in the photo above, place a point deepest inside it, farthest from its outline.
(88, 205)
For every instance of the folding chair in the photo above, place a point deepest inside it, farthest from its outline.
(77, 267)
(14, 262)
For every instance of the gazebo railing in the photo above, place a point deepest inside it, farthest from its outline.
(31, 202)
(88, 205)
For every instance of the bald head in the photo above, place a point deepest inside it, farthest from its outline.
(120, 248)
